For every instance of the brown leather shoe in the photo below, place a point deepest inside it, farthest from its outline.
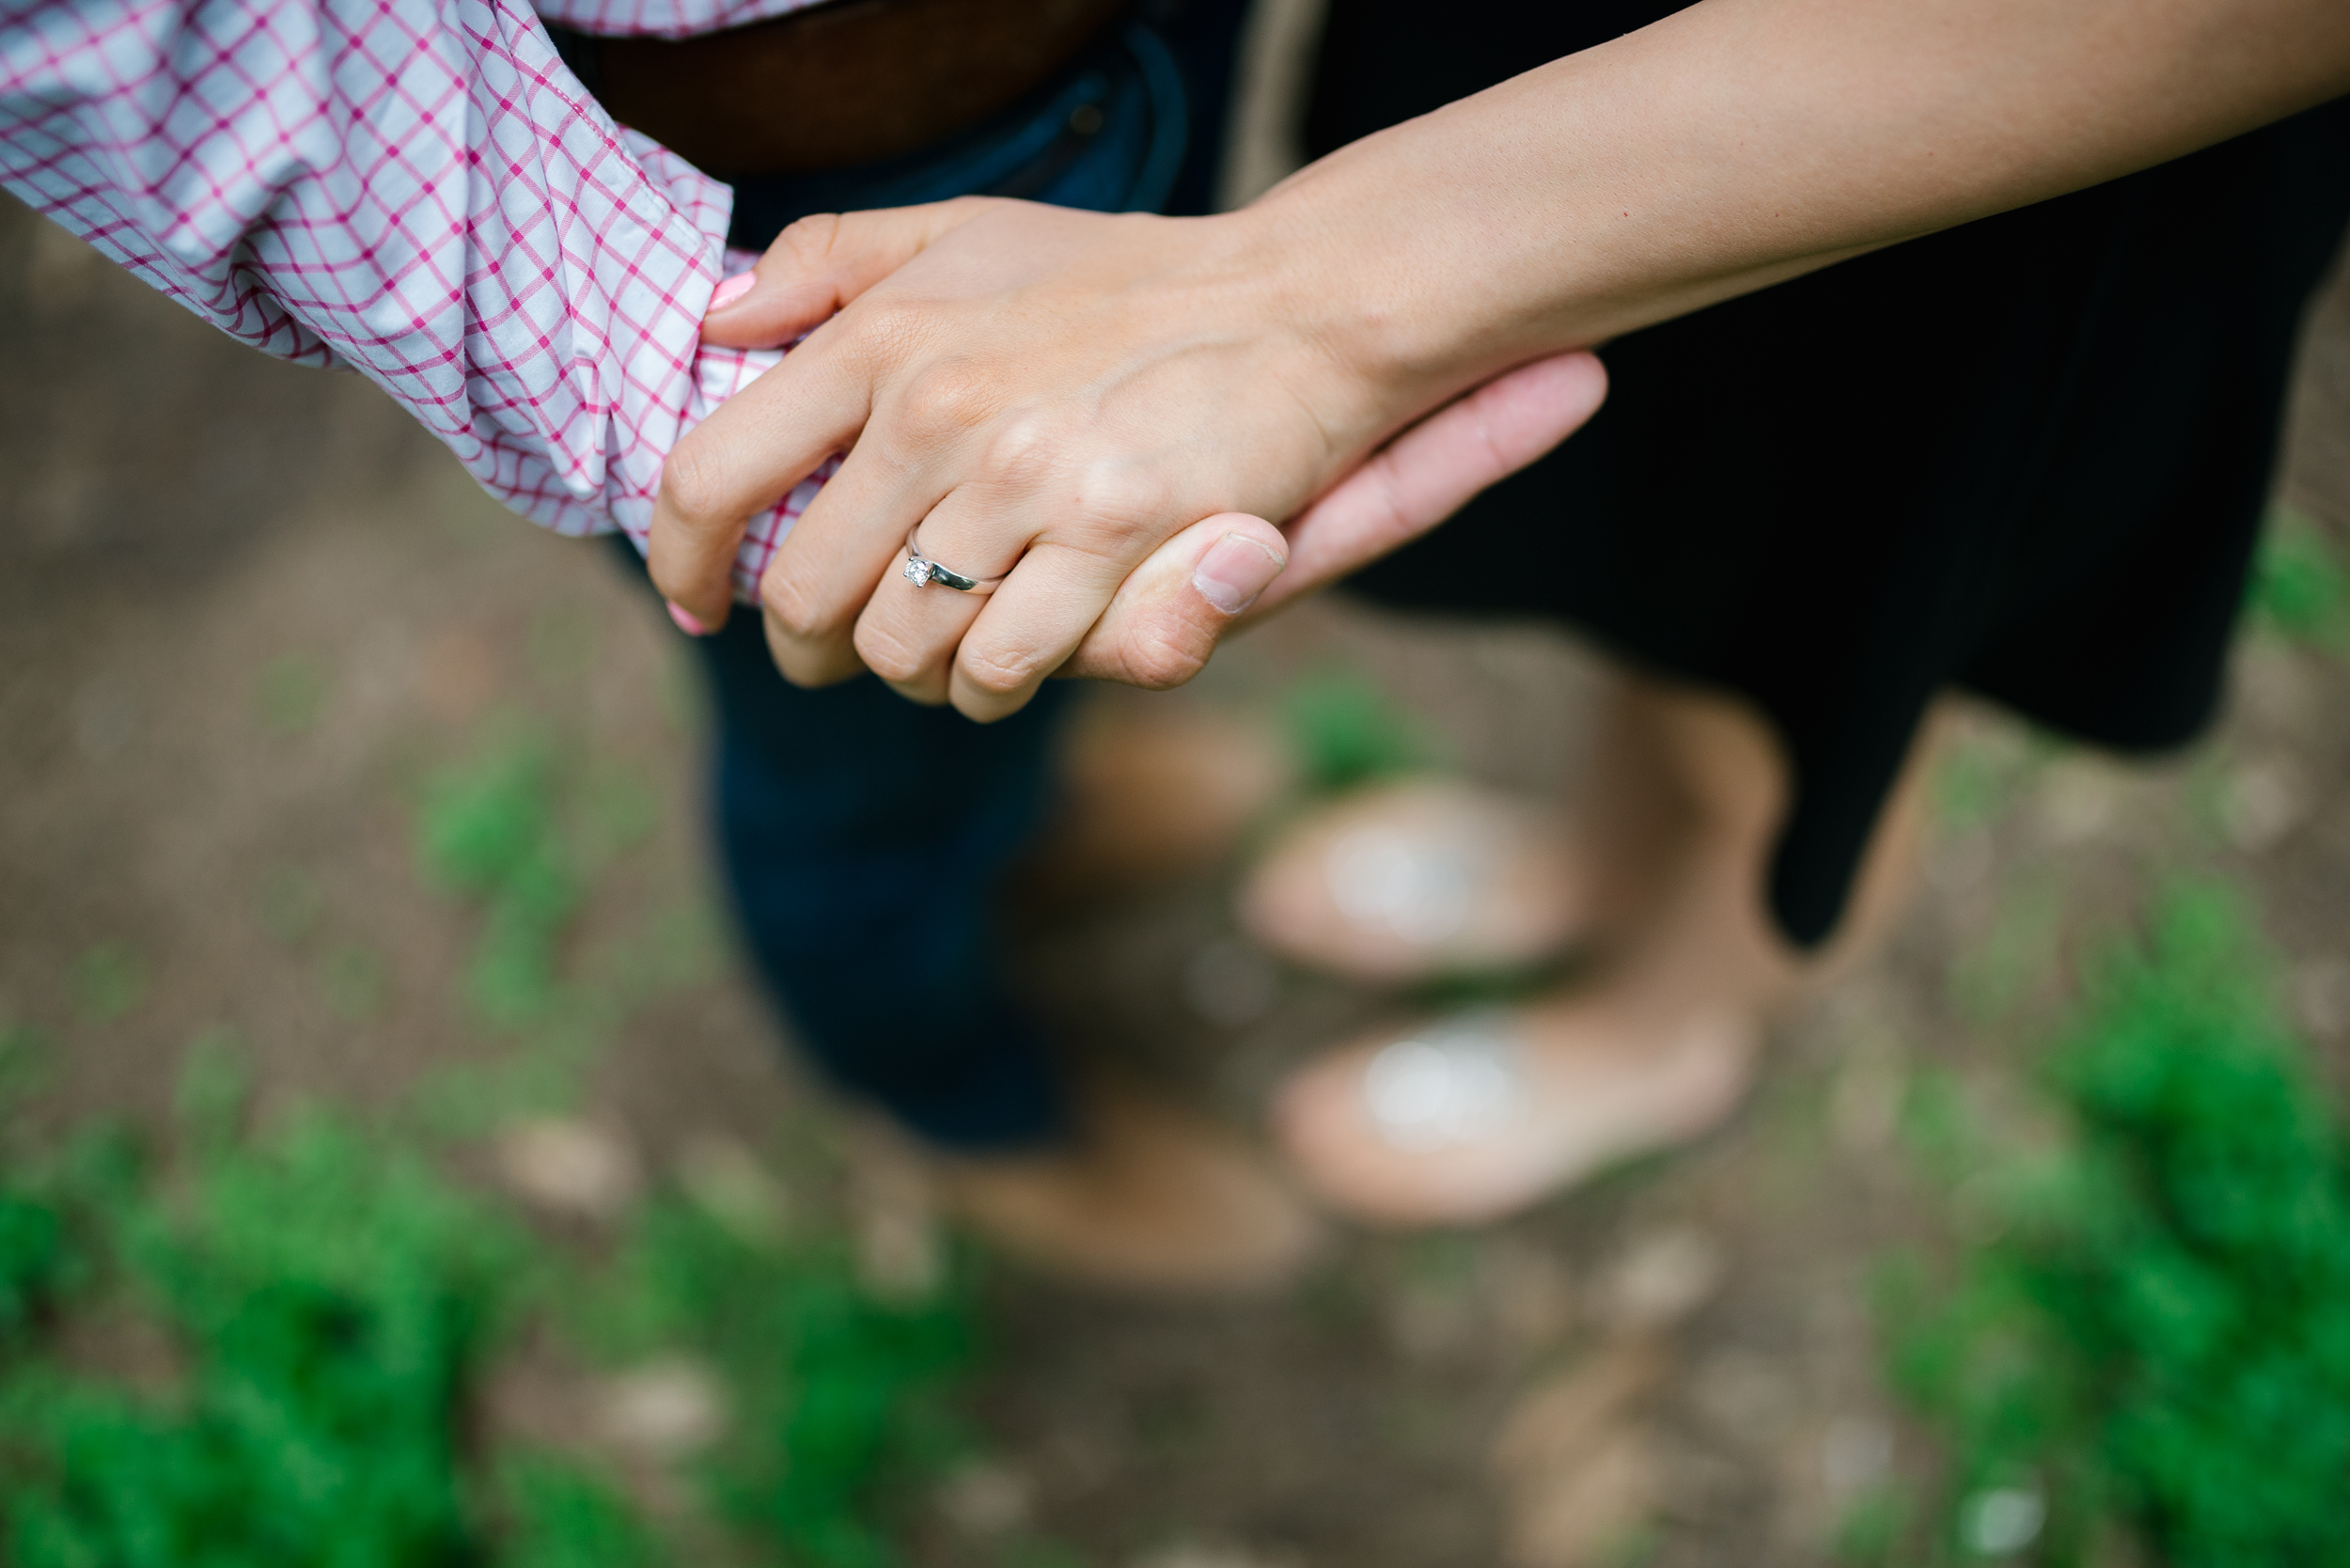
(1147, 1197)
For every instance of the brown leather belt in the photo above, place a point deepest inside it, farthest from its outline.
(838, 85)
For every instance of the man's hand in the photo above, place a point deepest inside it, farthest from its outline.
(1165, 622)
(1063, 396)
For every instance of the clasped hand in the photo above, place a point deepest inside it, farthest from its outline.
(1106, 410)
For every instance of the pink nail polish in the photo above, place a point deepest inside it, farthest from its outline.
(1234, 571)
(687, 623)
(731, 289)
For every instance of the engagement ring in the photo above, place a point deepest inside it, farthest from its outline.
(921, 570)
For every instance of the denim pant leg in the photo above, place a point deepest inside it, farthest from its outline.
(862, 837)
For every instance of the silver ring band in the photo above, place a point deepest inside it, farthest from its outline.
(921, 570)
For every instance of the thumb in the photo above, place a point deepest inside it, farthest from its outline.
(1435, 468)
(822, 262)
(1171, 612)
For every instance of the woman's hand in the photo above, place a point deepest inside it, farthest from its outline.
(1062, 397)
(1060, 394)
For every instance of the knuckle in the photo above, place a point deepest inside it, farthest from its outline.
(1117, 492)
(1158, 662)
(889, 655)
(694, 486)
(999, 674)
(948, 396)
(806, 243)
(803, 664)
(1020, 449)
(794, 609)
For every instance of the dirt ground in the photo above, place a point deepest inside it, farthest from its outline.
(245, 608)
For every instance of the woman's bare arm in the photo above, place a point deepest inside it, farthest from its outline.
(1061, 394)
(1741, 142)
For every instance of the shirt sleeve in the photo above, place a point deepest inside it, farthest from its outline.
(418, 189)
(663, 18)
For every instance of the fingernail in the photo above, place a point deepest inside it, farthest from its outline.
(687, 623)
(1234, 571)
(731, 289)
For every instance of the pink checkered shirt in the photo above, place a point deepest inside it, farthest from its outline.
(418, 189)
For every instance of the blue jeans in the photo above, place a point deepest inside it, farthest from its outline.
(862, 836)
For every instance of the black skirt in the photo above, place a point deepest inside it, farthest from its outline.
(2028, 457)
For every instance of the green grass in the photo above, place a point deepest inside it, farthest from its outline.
(2298, 591)
(831, 1385)
(2146, 1330)
(520, 831)
(323, 1304)
(109, 980)
(1346, 733)
(325, 1301)
(487, 832)
(331, 1302)
(289, 693)
(517, 834)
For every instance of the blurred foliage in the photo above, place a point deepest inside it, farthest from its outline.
(1970, 788)
(829, 1387)
(289, 693)
(1979, 777)
(356, 982)
(563, 642)
(327, 1304)
(2142, 1332)
(617, 811)
(32, 1253)
(1346, 733)
(1873, 1528)
(522, 830)
(271, 1341)
(331, 1302)
(291, 904)
(325, 1298)
(23, 1056)
(2017, 958)
(488, 830)
(561, 1517)
(2299, 590)
(109, 980)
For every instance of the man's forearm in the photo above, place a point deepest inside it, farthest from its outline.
(1742, 142)
(414, 190)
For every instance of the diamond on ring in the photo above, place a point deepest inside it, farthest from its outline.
(922, 571)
